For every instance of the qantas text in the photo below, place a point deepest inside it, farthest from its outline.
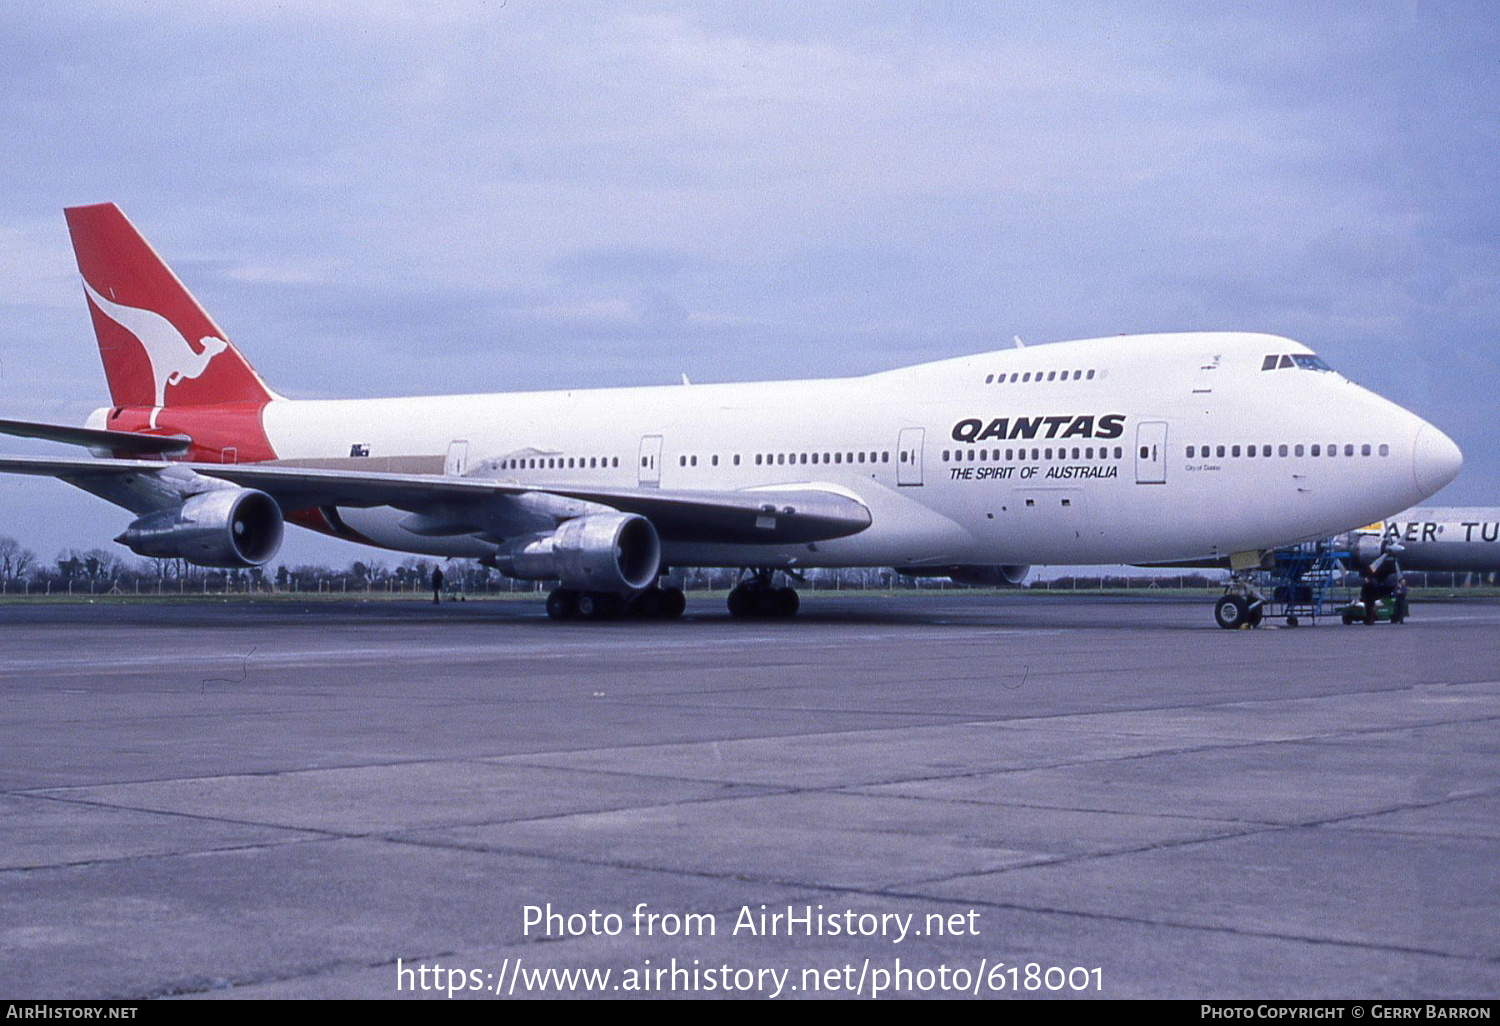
(1111, 425)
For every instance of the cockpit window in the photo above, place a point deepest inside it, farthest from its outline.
(1309, 362)
(1302, 361)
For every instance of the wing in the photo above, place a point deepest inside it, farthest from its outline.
(790, 514)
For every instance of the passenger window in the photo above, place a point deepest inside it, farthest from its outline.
(1091, 376)
(1348, 449)
(1234, 451)
(1364, 450)
(1385, 450)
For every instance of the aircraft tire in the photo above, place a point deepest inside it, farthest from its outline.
(562, 604)
(785, 602)
(673, 603)
(648, 604)
(764, 602)
(599, 605)
(741, 601)
(1232, 612)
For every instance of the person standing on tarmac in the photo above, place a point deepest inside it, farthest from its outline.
(437, 585)
(1369, 591)
(1398, 615)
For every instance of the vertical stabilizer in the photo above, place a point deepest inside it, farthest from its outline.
(159, 347)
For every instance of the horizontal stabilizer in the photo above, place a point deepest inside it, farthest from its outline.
(95, 438)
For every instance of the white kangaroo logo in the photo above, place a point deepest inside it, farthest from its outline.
(172, 357)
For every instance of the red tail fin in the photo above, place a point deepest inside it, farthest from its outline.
(158, 345)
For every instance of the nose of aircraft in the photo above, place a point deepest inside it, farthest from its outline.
(1435, 460)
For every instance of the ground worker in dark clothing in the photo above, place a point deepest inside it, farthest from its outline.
(1369, 591)
(1398, 615)
(437, 585)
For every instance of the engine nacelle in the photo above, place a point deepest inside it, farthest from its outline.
(1007, 576)
(1373, 554)
(610, 552)
(974, 575)
(230, 528)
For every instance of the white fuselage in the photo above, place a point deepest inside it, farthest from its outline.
(1129, 449)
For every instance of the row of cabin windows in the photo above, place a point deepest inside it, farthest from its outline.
(560, 462)
(1062, 453)
(1250, 451)
(1025, 377)
(781, 459)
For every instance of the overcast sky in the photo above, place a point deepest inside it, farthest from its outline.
(383, 199)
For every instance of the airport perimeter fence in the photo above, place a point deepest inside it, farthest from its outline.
(467, 579)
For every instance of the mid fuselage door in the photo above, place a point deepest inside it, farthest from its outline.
(650, 468)
(1151, 452)
(909, 457)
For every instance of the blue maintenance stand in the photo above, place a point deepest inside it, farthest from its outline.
(1306, 580)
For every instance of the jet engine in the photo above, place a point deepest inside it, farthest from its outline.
(225, 527)
(601, 552)
(974, 575)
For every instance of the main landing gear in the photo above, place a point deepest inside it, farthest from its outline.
(758, 597)
(653, 603)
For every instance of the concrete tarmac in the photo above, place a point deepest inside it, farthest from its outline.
(933, 794)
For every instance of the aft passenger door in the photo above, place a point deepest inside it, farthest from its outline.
(456, 463)
(1151, 452)
(650, 468)
(909, 457)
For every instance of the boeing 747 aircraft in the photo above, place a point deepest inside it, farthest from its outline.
(1131, 449)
